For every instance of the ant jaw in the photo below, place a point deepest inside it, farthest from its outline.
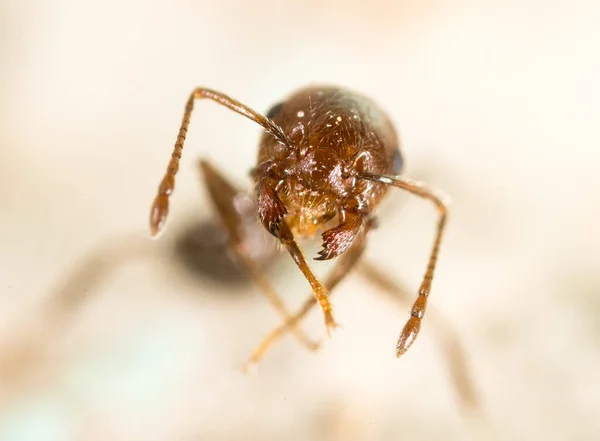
(158, 215)
(271, 209)
(338, 239)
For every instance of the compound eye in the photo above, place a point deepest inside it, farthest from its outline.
(273, 111)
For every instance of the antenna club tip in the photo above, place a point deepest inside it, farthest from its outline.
(155, 232)
(400, 351)
(158, 215)
(408, 336)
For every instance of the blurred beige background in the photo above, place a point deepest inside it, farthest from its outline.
(497, 104)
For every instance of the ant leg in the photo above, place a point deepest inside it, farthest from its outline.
(342, 268)
(224, 198)
(413, 325)
(30, 348)
(320, 292)
(447, 337)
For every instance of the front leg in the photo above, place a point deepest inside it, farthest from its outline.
(223, 196)
(271, 212)
(341, 269)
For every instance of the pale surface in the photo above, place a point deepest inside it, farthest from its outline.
(497, 103)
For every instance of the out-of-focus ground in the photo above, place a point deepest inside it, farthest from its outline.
(497, 104)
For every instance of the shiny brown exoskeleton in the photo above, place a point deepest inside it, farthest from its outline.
(324, 164)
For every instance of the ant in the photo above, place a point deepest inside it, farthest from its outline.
(325, 162)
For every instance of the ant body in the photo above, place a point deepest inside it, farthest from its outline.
(324, 164)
